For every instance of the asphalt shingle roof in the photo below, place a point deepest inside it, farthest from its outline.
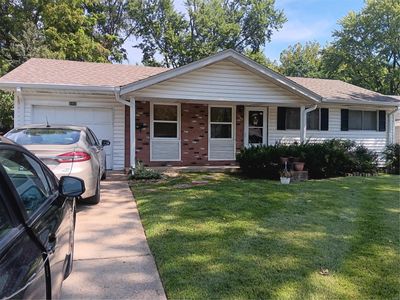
(64, 72)
(331, 89)
(53, 71)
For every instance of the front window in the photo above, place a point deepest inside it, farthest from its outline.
(313, 118)
(292, 118)
(362, 120)
(44, 136)
(165, 121)
(221, 122)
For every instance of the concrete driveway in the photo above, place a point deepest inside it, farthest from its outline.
(112, 258)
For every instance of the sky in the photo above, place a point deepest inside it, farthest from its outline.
(307, 20)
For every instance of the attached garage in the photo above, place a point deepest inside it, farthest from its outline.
(100, 113)
(100, 120)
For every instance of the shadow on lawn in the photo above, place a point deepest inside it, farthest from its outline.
(260, 239)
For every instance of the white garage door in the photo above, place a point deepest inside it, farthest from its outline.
(100, 120)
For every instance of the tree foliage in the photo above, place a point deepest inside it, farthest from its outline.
(302, 60)
(366, 48)
(84, 30)
(6, 111)
(171, 38)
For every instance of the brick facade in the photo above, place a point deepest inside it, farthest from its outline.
(194, 135)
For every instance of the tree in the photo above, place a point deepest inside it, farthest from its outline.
(366, 49)
(260, 58)
(68, 30)
(302, 60)
(111, 28)
(208, 26)
(64, 29)
(6, 111)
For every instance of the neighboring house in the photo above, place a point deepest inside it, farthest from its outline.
(397, 123)
(199, 114)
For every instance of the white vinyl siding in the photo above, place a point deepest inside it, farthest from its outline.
(24, 112)
(372, 139)
(222, 148)
(223, 81)
(165, 148)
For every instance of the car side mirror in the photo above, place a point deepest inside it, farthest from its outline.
(71, 186)
(105, 143)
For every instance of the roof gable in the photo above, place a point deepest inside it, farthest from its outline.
(223, 81)
(233, 57)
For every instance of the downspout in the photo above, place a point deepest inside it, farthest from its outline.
(118, 98)
(19, 114)
(390, 129)
(303, 129)
(132, 116)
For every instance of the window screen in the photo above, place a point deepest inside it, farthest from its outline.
(292, 118)
(313, 120)
(221, 122)
(165, 121)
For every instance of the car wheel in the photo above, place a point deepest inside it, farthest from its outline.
(96, 198)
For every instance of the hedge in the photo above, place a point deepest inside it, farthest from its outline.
(330, 158)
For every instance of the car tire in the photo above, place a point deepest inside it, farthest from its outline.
(96, 198)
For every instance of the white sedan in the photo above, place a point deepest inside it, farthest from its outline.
(67, 151)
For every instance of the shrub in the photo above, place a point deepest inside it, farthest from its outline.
(392, 158)
(364, 160)
(141, 172)
(330, 158)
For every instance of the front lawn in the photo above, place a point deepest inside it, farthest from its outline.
(242, 238)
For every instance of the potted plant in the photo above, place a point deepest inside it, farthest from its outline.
(285, 176)
(298, 164)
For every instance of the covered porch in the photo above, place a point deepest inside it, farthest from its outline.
(192, 134)
(203, 113)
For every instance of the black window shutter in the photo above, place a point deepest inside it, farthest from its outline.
(324, 119)
(382, 120)
(281, 124)
(344, 120)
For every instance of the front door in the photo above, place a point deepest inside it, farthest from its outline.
(255, 126)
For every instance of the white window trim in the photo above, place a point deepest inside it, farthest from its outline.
(155, 139)
(233, 137)
(246, 124)
(362, 120)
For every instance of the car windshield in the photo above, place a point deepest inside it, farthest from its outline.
(44, 136)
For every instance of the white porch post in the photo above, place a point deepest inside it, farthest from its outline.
(303, 124)
(132, 117)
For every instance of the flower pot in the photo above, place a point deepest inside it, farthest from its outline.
(285, 180)
(298, 166)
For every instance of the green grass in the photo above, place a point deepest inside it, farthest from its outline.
(245, 239)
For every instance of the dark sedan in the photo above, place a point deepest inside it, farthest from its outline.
(37, 223)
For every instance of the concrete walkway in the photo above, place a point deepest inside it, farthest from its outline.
(112, 258)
